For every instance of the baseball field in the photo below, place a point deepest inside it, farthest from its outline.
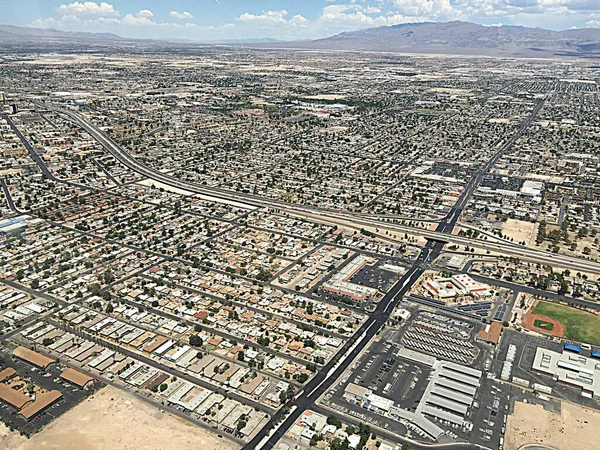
(578, 325)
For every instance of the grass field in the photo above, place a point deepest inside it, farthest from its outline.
(580, 326)
(543, 325)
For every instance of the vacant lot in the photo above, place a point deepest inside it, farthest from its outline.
(520, 231)
(575, 428)
(579, 325)
(113, 419)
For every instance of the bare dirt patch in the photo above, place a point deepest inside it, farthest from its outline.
(113, 419)
(520, 231)
(575, 427)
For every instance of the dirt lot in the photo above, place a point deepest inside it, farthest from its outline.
(520, 230)
(575, 428)
(114, 419)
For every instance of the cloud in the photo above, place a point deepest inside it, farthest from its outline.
(87, 9)
(145, 13)
(137, 20)
(181, 15)
(266, 17)
(431, 9)
(333, 17)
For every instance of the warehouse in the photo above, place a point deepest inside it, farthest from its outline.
(450, 392)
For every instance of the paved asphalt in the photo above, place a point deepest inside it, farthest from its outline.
(323, 380)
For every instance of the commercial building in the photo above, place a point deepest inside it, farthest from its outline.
(76, 377)
(450, 392)
(340, 284)
(569, 368)
(490, 333)
(35, 358)
(42, 402)
(456, 286)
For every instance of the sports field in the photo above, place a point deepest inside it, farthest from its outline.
(543, 324)
(579, 325)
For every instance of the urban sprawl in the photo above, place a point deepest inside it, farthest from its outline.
(296, 249)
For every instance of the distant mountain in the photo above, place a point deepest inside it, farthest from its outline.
(452, 38)
(464, 38)
(10, 32)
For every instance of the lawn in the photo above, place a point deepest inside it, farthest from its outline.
(579, 326)
(548, 326)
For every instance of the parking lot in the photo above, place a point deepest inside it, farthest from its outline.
(441, 336)
(376, 277)
(49, 380)
(526, 348)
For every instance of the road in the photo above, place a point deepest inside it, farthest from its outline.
(445, 226)
(323, 380)
(269, 435)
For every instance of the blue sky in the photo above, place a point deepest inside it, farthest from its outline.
(284, 19)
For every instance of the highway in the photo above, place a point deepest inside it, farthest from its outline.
(442, 232)
(280, 422)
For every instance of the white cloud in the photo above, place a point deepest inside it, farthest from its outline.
(145, 13)
(333, 18)
(298, 21)
(425, 8)
(87, 9)
(137, 20)
(181, 15)
(266, 17)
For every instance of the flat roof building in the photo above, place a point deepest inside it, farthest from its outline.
(569, 368)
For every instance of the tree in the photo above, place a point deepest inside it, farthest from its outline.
(335, 421)
(195, 341)
(338, 444)
(163, 387)
(406, 447)
(109, 308)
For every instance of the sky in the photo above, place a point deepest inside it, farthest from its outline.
(213, 20)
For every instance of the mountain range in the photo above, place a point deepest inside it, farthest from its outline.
(466, 38)
(11, 32)
(433, 38)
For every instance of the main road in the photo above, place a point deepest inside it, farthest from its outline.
(441, 233)
(279, 424)
(316, 386)
(281, 421)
